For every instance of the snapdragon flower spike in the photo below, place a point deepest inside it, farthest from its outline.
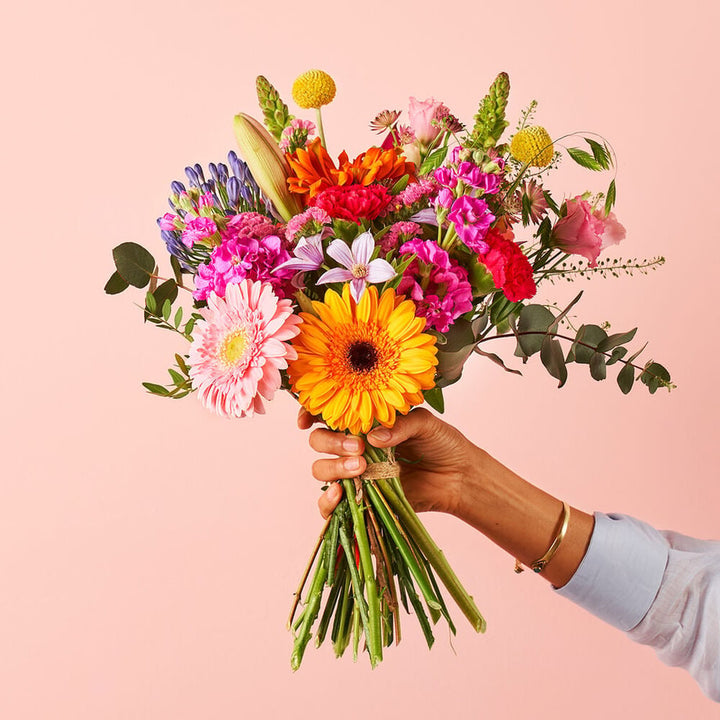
(357, 268)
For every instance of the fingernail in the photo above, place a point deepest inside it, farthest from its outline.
(351, 444)
(380, 434)
(352, 463)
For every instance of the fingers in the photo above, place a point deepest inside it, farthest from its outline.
(327, 441)
(332, 469)
(305, 420)
(417, 423)
(329, 499)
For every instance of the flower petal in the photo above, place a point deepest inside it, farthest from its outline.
(362, 248)
(379, 271)
(335, 275)
(340, 252)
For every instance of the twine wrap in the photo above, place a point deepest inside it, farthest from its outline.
(382, 470)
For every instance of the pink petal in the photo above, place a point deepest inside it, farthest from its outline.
(379, 271)
(362, 248)
(340, 252)
(335, 275)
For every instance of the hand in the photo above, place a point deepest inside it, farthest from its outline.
(434, 458)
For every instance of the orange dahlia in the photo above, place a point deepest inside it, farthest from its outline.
(313, 170)
(362, 362)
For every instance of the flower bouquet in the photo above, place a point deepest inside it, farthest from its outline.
(362, 287)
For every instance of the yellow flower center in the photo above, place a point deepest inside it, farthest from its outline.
(313, 89)
(234, 347)
(532, 146)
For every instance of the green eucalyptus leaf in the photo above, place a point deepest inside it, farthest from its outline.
(626, 378)
(553, 358)
(589, 335)
(134, 263)
(535, 319)
(116, 284)
(434, 398)
(598, 370)
(617, 339)
(618, 353)
(654, 375)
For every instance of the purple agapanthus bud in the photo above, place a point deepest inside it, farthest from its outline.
(233, 191)
(192, 176)
(177, 187)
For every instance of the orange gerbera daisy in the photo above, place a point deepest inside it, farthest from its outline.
(362, 362)
(314, 171)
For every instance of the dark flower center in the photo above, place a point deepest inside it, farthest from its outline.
(362, 356)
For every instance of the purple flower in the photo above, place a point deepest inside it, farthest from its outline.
(197, 229)
(357, 268)
(438, 285)
(308, 256)
(472, 219)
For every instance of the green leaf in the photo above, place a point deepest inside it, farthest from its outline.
(553, 358)
(156, 389)
(480, 278)
(116, 284)
(618, 353)
(590, 335)
(626, 378)
(134, 263)
(400, 185)
(654, 375)
(189, 325)
(584, 158)
(345, 229)
(178, 317)
(176, 268)
(526, 208)
(434, 398)
(610, 197)
(534, 319)
(167, 292)
(177, 378)
(598, 371)
(150, 303)
(180, 360)
(551, 203)
(166, 309)
(617, 339)
(599, 153)
(433, 161)
(497, 360)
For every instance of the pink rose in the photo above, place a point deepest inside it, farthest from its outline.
(421, 114)
(586, 232)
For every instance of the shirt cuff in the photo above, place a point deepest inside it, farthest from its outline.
(621, 572)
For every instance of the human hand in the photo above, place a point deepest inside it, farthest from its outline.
(434, 459)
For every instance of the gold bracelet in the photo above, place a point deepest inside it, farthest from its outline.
(540, 563)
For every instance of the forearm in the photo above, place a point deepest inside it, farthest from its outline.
(521, 518)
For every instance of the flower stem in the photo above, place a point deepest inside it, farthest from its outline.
(399, 503)
(321, 132)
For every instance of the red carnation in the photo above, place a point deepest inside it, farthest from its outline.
(353, 202)
(509, 267)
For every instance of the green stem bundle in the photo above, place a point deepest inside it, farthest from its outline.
(372, 555)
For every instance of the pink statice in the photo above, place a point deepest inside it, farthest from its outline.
(398, 234)
(238, 258)
(423, 189)
(250, 225)
(296, 135)
(240, 347)
(307, 223)
(437, 284)
(198, 229)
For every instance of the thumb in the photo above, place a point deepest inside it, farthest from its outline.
(416, 424)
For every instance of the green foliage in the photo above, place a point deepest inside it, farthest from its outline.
(610, 197)
(608, 266)
(490, 118)
(400, 185)
(433, 161)
(275, 112)
(434, 398)
(116, 284)
(455, 347)
(181, 384)
(134, 265)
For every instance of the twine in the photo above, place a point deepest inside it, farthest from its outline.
(382, 470)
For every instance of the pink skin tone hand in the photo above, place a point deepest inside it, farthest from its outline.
(442, 470)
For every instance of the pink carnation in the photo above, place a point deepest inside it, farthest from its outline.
(437, 283)
(240, 347)
(236, 259)
(509, 266)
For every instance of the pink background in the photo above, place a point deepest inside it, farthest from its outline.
(148, 550)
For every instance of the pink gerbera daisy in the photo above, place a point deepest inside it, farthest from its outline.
(240, 347)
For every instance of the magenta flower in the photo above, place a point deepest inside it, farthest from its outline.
(473, 176)
(197, 229)
(437, 284)
(357, 268)
(472, 219)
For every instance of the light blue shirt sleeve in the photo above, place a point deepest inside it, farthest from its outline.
(661, 588)
(620, 575)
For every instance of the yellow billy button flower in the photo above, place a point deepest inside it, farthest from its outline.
(361, 362)
(267, 164)
(313, 89)
(532, 146)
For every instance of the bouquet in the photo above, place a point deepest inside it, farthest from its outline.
(362, 287)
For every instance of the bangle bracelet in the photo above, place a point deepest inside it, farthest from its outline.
(540, 563)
